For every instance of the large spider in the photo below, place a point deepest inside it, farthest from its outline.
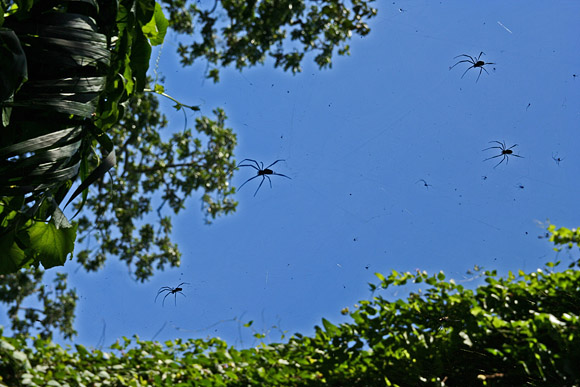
(170, 290)
(505, 152)
(264, 172)
(475, 63)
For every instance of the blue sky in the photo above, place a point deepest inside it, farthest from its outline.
(356, 140)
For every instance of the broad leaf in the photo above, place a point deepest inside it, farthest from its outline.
(156, 29)
(51, 244)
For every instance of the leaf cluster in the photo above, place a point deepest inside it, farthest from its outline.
(564, 237)
(67, 69)
(55, 303)
(245, 33)
(153, 173)
(53, 76)
(513, 330)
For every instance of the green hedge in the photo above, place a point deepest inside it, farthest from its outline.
(515, 330)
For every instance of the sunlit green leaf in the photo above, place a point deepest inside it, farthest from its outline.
(52, 245)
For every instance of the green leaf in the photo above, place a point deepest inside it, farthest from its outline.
(13, 257)
(51, 244)
(156, 29)
(140, 55)
(329, 327)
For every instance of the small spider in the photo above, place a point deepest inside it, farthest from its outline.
(264, 172)
(424, 183)
(170, 290)
(505, 152)
(475, 63)
(557, 159)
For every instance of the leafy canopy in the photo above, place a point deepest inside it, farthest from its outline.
(514, 330)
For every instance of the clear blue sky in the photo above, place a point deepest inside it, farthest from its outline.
(356, 140)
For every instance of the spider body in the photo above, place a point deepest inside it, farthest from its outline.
(170, 290)
(265, 172)
(505, 152)
(475, 63)
(260, 171)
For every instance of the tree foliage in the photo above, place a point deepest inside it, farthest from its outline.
(172, 170)
(245, 33)
(83, 60)
(119, 215)
(514, 330)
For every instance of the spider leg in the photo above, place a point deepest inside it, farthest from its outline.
(279, 174)
(163, 289)
(461, 61)
(254, 161)
(163, 303)
(513, 146)
(504, 158)
(176, 293)
(493, 157)
(270, 180)
(493, 147)
(247, 165)
(521, 157)
(251, 178)
(262, 182)
(467, 56)
(183, 283)
(480, 55)
(469, 68)
(273, 163)
(480, 70)
(502, 145)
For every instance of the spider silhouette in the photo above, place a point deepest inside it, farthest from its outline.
(264, 172)
(505, 152)
(170, 290)
(475, 63)
(557, 159)
(424, 183)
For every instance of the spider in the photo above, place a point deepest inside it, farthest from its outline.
(475, 63)
(424, 183)
(505, 152)
(557, 159)
(170, 290)
(264, 172)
